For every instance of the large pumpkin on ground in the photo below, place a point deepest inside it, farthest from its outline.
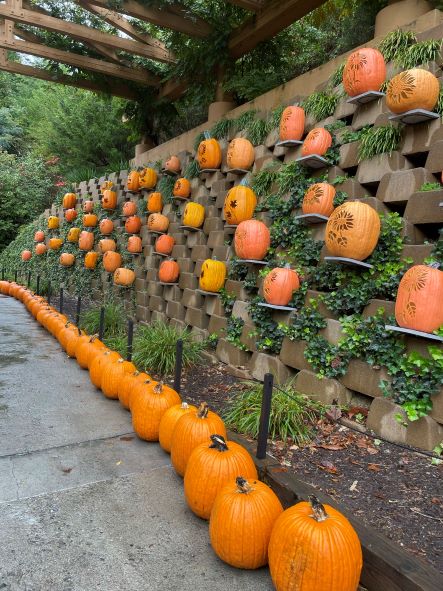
(53, 222)
(127, 385)
(419, 303)
(154, 203)
(209, 154)
(124, 277)
(168, 272)
(111, 261)
(149, 402)
(69, 200)
(168, 422)
(212, 275)
(319, 199)
(157, 222)
(252, 240)
(114, 373)
(239, 205)
(99, 364)
(352, 231)
(194, 215)
(318, 141)
(412, 89)
(133, 224)
(86, 240)
(314, 548)
(91, 259)
(148, 178)
(240, 154)
(279, 285)
(182, 188)
(164, 244)
(365, 70)
(109, 199)
(292, 123)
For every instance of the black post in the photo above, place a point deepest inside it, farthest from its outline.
(178, 365)
(29, 278)
(61, 300)
(101, 328)
(38, 285)
(130, 338)
(262, 440)
(49, 292)
(3, 274)
(77, 313)
(15, 275)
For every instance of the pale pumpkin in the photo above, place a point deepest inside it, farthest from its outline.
(292, 123)
(412, 89)
(319, 199)
(279, 286)
(39, 236)
(106, 226)
(194, 215)
(129, 208)
(173, 164)
(240, 154)
(212, 275)
(365, 70)
(107, 244)
(124, 277)
(40, 248)
(88, 206)
(134, 244)
(252, 240)
(239, 205)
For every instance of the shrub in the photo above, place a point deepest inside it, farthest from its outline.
(115, 320)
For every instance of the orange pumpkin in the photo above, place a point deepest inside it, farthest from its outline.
(292, 123)
(134, 244)
(126, 386)
(319, 199)
(90, 220)
(70, 215)
(365, 70)
(133, 224)
(69, 200)
(115, 372)
(412, 89)
(99, 365)
(182, 188)
(352, 230)
(129, 208)
(168, 422)
(124, 277)
(168, 272)
(55, 243)
(26, 255)
(239, 205)
(111, 261)
(133, 182)
(209, 154)
(154, 203)
(40, 248)
(164, 244)
(318, 141)
(39, 236)
(279, 285)
(73, 235)
(149, 402)
(173, 164)
(157, 222)
(148, 178)
(67, 259)
(91, 259)
(106, 226)
(86, 240)
(252, 240)
(107, 244)
(240, 154)
(88, 206)
(53, 222)
(109, 199)
(419, 303)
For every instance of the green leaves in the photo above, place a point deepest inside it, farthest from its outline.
(395, 43)
(379, 140)
(320, 105)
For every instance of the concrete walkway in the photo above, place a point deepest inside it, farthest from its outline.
(84, 504)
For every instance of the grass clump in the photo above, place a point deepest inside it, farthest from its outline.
(221, 128)
(320, 105)
(379, 140)
(192, 171)
(115, 320)
(419, 54)
(395, 43)
(293, 415)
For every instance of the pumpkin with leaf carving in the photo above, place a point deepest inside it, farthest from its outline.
(239, 205)
(292, 123)
(279, 285)
(365, 70)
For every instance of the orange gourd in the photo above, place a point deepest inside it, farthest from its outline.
(319, 199)
(69, 200)
(154, 203)
(90, 220)
(39, 236)
(149, 402)
(134, 244)
(182, 188)
(365, 70)
(164, 244)
(252, 240)
(106, 226)
(412, 89)
(109, 199)
(124, 277)
(292, 123)
(107, 244)
(67, 259)
(53, 222)
(129, 208)
(86, 240)
(148, 178)
(133, 224)
(239, 205)
(55, 243)
(70, 215)
(194, 215)
(318, 141)
(279, 285)
(26, 255)
(115, 371)
(173, 164)
(127, 384)
(168, 422)
(168, 272)
(209, 154)
(240, 154)
(91, 259)
(73, 235)
(133, 182)
(40, 248)
(111, 261)
(88, 206)
(157, 222)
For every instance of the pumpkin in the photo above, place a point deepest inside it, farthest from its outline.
(133, 224)
(99, 365)
(292, 123)
(26, 255)
(90, 220)
(419, 303)
(168, 422)
(279, 285)
(194, 215)
(212, 466)
(148, 178)
(73, 235)
(106, 226)
(55, 243)
(209, 154)
(352, 231)
(109, 199)
(86, 240)
(134, 244)
(69, 200)
(127, 384)
(173, 164)
(91, 259)
(106, 185)
(72, 340)
(318, 141)
(86, 351)
(239, 205)
(68, 331)
(164, 244)
(88, 206)
(124, 277)
(40, 248)
(365, 70)
(149, 402)
(111, 261)
(107, 244)
(319, 199)
(67, 259)
(112, 376)
(240, 154)
(133, 182)
(182, 188)
(154, 203)
(191, 430)
(212, 275)
(157, 222)
(39, 236)
(412, 89)
(242, 518)
(70, 215)
(129, 208)
(314, 548)
(53, 222)
(168, 272)
(252, 240)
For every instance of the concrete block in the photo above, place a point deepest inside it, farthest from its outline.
(412, 234)
(236, 288)
(261, 364)
(175, 310)
(200, 252)
(344, 109)
(417, 252)
(240, 310)
(194, 238)
(396, 187)
(198, 267)
(192, 299)
(246, 339)
(332, 332)
(187, 281)
(199, 334)
(368, 113)
(324, 390)
(142, 314)
(312, 294)
(374, 305)
(419, 138)
(388, 420)
(437, 407)
(228, 353)
(212, 224)
(424, 208)
(154, 288)
(180, 251)
(349, 155)
(292, 354)
(216, 238)
(196, 317)
(425, 433)
(223, 253)
(172, 293)
(217, 325)
(157, 303)
(158, 316)
(140, 284)
(141, 298)
(372, 171)
(351, 187)
(435, 157)
(363, 378)
(177, 323)
(212, 306)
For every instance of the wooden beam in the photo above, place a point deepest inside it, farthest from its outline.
(108, 86)
(254, 5)
(120, 22)
(173, 89)
(275, 16)
(175, 17)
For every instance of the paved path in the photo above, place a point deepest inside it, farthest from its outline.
(85, 505)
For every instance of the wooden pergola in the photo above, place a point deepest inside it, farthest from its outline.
(103, 52)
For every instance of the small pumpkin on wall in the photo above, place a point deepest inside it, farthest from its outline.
(173, 164)
(169, 272)
(154, 203)
(111, 261)
(133, 224)
(107, 244)
(241, 154)
(106, 185)
(209, 154)
(129, 208)
(164, 244)
(109, 199)
(134, 244)
(319, 199)
(124, 277)
(90, 220)
(317, 142)
(39, 236)
(292, 123)
(26, 255)
(133, 182)
(157, 222)
(70, 215)
(212, 275)
(40, 248)
(67, 259)
(73, 235)
(239, 205)
(53, 222)
(252, 240)
(106, 226)
(365, 70)
(86, 240)
(194, 215)
(55, 243)
(69, 200)
(148, 178)
(91, 258)
(182, 188)
(88, 206)
(412, 89)
(279, 285)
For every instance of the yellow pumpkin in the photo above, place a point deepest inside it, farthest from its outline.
(148, 178)
(240, 203)
(133, 182)
(194, 215)
(73, 235)
(55, 243)
(53, 222)
(212, 275)
(91, 259)
(240, 154)
(209, 154)
(69, 200)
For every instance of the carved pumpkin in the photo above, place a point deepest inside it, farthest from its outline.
(73, 235)
(129, 208)
(111, 261)
(133, 182)
(173, 164)
(109, 199)
(365, 70)
(124, 277)
(88, 206)
(252, 240)
(67, 259)
(86, 240)
(242, 518)
(419, 304)
(115, 371)
(91, 259)
(53, 222)
(318, 141)
(279, 285)
(90, 220)
(168, 272)
(308, 543)
(292, 123)
(212, 275)
(134, 244)
(194, 215)
(55, 243)
(214, 464)
(352, 231)
(40, 248)
(70, 215)
(182, 188)
(154, 203)
(127, 384)
(191, 430)
(26, 255)
(412, 89)
(158, 222)
(240, 154)
(209, 154)
(69, 200)
(105, 186)
(106, 226)
(148, 178)
(107, 244)
(319, 199)
(149, 402)
(168, 422)
(240, 203)
(39, 236)
(133, 225)
(164, 244)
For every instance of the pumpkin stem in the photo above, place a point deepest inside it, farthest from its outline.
(243, 485)
(203, 410)
(158, 389)
(319, 512)
(136, 373)
(218, 443)
(185, 405)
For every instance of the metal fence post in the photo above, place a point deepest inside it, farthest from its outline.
(130, 339)
(49, 292)
(29, 279)
(38, 285)
(61, 300)
(77, 313)
(178, 365)
(265, 414)
(101, 328)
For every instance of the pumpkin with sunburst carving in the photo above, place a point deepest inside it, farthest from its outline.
(365, 70)
(319, 199)
(412, 89)
(292, 123)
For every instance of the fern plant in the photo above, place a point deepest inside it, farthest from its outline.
(320, 105)
(419, 54)
(395, 43)
(221, 128)
(379, 140)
